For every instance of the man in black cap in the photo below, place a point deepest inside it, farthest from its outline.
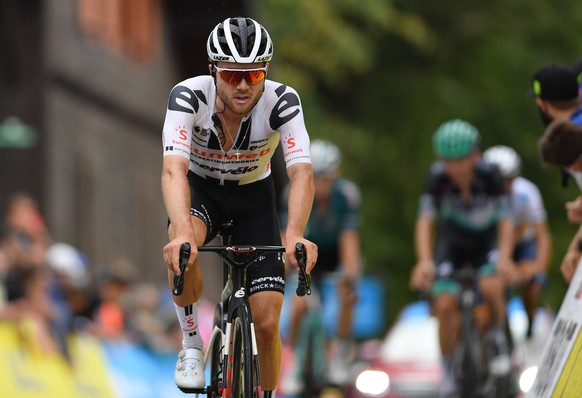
(555, 89)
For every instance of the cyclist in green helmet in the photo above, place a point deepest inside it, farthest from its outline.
(465, 199)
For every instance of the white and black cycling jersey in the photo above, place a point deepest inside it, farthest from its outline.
(190, 130)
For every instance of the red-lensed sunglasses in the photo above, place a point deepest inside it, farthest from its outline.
(234, 76)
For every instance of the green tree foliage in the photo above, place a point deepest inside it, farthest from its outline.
(378, 77)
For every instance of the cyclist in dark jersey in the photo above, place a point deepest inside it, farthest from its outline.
(334, 225)
(467, 198)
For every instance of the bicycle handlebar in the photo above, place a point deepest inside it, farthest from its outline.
(304, 279)
(179, 280)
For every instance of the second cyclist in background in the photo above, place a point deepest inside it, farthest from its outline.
(532, 237)
(334, 225)
(467, 198)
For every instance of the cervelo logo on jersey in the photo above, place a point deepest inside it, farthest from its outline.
(237, 171)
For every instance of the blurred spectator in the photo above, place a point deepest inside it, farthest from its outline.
(73, 288)
(29, 297)
(555, 90)
(112, 288)
(561, 146)
(577, 68)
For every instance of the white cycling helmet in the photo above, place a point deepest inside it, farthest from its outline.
(505, 158)
(242, 40)
(325, 157)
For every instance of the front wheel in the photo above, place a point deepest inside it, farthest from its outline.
(470, 364)
(245, 370)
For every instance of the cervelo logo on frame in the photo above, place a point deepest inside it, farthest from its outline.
(240, 293)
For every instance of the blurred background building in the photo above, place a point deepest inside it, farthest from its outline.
(84, 85)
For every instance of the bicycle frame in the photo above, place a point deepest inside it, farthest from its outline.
(234, 300)
(470, 357)
(233, 334)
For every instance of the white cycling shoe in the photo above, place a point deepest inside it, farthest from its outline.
(189, 374)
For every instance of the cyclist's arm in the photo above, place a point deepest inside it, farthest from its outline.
(350, 253)
(572, 257)
(505, 247)
(423, 235)
(424, 270)
(543, 246)
(176, 193)
(301, 193)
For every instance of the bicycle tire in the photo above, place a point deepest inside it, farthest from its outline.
(216, 376)
(470, 362)
(244, 370)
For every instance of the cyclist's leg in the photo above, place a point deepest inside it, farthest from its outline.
(299, 307)
(266, 309)
(445, 305)
(256, 222)
(341, 346)
(493, 291)
(190, 366)
(531, 296)
(446, 309)
(532, 289)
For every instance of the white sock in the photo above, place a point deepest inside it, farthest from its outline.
(188, 318)
(270, 393)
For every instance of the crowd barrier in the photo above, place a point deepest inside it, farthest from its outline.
(96, 369)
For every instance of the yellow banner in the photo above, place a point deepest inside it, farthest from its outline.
(27, 372)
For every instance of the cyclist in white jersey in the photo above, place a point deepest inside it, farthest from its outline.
(219, 135)
(533, 243)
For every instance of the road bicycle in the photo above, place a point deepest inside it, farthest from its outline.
(232, 354)
(471, 359)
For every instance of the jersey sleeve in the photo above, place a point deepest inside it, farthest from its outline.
(181, 114)
(498, 191)
(536, 212)
(287, 118)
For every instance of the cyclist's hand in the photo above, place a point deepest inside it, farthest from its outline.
(310, 248)
(569, 264)
(574, 210)
(507, 270)
(422, 275)
(526, 270)
(172, 254)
